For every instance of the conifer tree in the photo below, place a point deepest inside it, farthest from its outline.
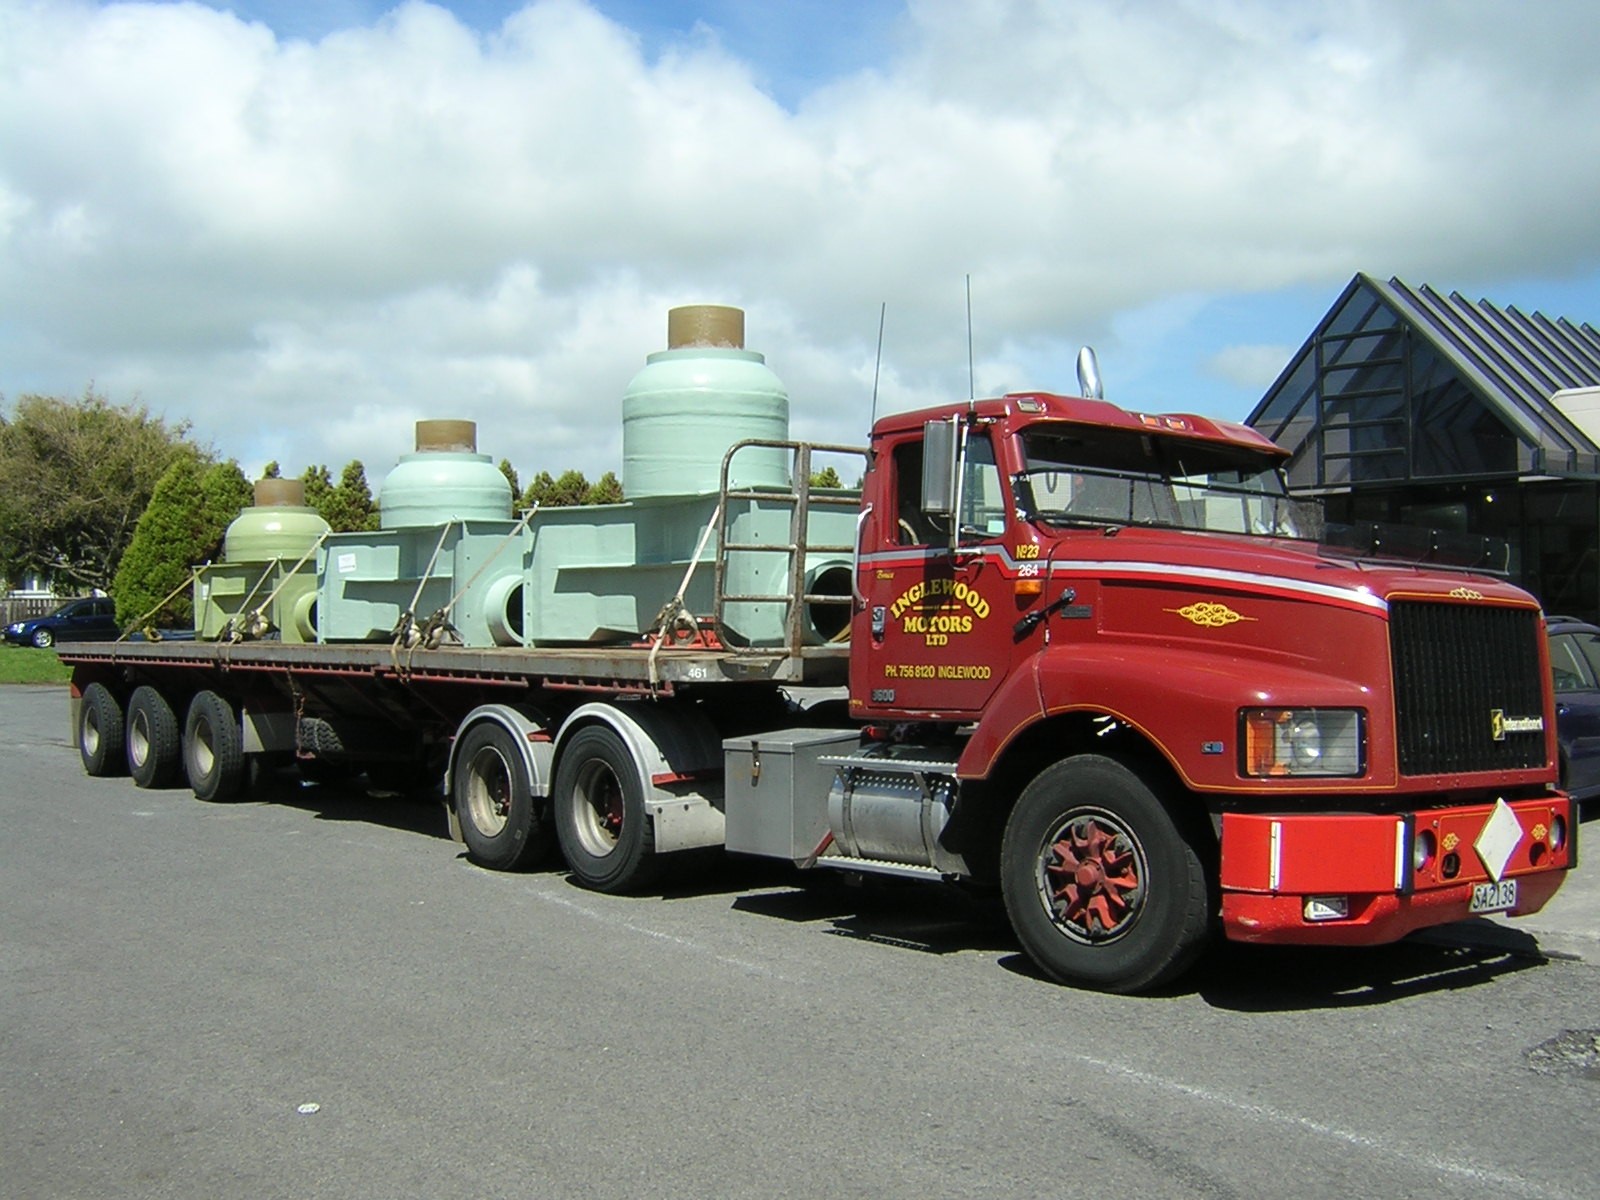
(540, 489)
(350, 505)
(606, 490)
(510, 473)
(319, 489)
(225, 492)
(570, 489)
(159, 557)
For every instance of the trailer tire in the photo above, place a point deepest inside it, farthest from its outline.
(101, 729)
(153, 743)
(213, 748)
(1102, 887)
(605, 833)
(504, 825)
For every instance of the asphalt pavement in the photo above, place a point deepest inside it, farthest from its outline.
(1568, 926)
(312, 993)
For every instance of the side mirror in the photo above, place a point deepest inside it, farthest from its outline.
(939, 450)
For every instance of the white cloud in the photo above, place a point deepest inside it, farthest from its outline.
(302, 246)
(1251, 367)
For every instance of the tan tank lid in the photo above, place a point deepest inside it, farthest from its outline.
(458, 436)
(705, 325)
(280, 493)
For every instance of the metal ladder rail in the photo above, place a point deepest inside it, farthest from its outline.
(795, 550)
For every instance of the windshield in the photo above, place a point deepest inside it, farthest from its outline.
(1088, 476)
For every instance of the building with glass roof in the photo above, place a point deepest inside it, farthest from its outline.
(1409, 407)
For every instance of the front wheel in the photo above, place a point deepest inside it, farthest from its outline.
(1102, 886)
(43, 639)
(600, 815)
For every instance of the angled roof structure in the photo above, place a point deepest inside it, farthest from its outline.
(1402, 384)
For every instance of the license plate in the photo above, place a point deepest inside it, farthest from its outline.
(1494, 897)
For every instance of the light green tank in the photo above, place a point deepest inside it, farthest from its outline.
(266, 565)
(445, 480)
(279, 526)
(603, 573)
(692, 401)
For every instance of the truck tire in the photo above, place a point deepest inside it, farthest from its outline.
(154, 748)
(1101, 886)
(101, 729)
(213, 748)
(504, 825)
(605, 835)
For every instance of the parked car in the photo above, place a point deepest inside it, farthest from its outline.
(1575, 671)
(90, 619)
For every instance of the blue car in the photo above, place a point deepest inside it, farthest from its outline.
(90, 619)
(1575, 671)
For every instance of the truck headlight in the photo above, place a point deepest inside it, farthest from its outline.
(1279, 743)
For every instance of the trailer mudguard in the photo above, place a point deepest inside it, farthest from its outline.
(532, 736)
(678, 754)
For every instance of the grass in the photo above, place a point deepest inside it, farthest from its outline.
(24, 664)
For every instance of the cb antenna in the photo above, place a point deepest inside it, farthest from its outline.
(972, 387)
(877, 363)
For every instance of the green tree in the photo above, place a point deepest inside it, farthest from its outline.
(826, 478)
(224, 492)
(319, 489)
(74, 477)
(540, 488)
(350, 505)
(272, 470)
(606, 490)
(569, 489)
(510, 473)
(183, 525)
(158, 558)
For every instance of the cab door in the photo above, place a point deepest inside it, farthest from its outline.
(936, 629)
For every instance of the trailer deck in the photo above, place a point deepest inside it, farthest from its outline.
(600, 668)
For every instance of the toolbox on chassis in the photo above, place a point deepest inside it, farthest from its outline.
(1098, 659)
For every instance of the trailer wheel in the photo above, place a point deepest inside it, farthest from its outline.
(505, 827)
(101, 729)
(213, 748)
(154, 748)
(1102, 887)
(600, 816)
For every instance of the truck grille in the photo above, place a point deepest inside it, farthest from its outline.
(1455, 666)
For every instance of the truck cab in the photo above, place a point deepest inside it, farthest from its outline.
(1139, 653)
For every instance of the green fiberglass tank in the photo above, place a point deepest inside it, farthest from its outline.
(279, 526)
(266, 582)
(445, 480)
(695, 399)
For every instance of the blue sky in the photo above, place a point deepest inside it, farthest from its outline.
(300, 226)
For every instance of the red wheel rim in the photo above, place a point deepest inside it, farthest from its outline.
(1092, 876)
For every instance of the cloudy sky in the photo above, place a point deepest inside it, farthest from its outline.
(303, 225)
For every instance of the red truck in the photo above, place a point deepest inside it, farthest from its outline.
(1100, 660)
